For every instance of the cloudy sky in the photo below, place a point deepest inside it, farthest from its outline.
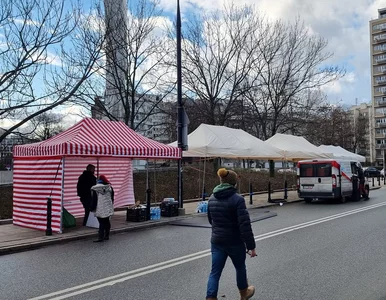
(344, 23)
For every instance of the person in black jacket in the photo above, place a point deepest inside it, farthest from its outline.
(85, 182)
(231, 234)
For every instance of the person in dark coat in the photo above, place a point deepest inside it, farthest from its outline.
(232, 234)
(362, 181)
(85, 182)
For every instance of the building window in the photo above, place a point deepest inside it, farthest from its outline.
(380, 58)
(381, 47)
(380, 37)
(379, 27)
(380, 79)
(380, 89)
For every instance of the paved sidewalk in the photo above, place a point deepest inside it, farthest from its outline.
(16, 238)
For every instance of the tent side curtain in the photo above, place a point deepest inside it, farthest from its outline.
(33, 181)
(119, 171)
(91, 137)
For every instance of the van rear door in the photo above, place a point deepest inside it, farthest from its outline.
(324, 178)
(307, 180)
(316, 177)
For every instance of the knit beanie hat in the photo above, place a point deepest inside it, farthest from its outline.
(103, 179)
(227, 176)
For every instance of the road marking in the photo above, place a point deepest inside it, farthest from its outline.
(119, 278)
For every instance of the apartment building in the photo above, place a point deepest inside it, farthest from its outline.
(362, 122)
(378, 86)
(150, 120)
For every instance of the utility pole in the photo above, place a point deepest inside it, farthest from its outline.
(182, 120)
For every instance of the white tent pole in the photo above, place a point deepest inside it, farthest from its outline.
(62, 196)
(97, 166)
(155, 180)
(203, 179)
(199, 176)
(147, 174)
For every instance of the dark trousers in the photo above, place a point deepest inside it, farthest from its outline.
(86, 206)
(104, 228)
(220, 254)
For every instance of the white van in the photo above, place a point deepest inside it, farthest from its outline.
(326, 179)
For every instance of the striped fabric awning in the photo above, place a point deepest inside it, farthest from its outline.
(99, 137)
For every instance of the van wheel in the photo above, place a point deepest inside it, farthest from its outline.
(308, 200)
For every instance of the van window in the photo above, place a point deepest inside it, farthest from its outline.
(306, 170)
(315, 170)
(323, 170)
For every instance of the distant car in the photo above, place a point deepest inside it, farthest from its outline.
(372, 172)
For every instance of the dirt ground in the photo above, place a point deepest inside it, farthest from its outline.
(163, 184)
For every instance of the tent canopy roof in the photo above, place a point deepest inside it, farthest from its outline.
(296, 147)
(100, 138)
(342, 153)
(221, 141)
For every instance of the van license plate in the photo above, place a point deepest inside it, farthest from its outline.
(308, 187)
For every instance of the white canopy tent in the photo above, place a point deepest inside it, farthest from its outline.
(221, 141)
(342, 153)
(209, 141)
(295, 148)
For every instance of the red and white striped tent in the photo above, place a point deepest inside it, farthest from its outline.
(51, 168)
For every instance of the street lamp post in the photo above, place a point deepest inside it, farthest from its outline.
(181, 116)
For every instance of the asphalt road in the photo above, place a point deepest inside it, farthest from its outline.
(309, 251)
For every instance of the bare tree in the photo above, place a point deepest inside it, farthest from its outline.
(47, 125)
(44, 58)
(360, 133)
(293, 67)
(331, 125)
(218, 54)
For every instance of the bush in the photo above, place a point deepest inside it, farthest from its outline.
(163, 184)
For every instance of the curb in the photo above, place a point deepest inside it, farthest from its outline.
(6, 221)
(60, 239)
(25, 246)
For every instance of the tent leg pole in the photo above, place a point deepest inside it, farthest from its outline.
(148, 197)
(250, 192)
(269, 192)
(180, 201)
(148, 192)
(203, 179)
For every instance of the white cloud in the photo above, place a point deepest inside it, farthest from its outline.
(26, 22)
(344, 23)
(338, 87)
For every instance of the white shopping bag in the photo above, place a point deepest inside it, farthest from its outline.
(92, 221)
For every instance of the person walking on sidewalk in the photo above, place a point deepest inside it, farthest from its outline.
(231, 234)
(85, 182)
(102, 205)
